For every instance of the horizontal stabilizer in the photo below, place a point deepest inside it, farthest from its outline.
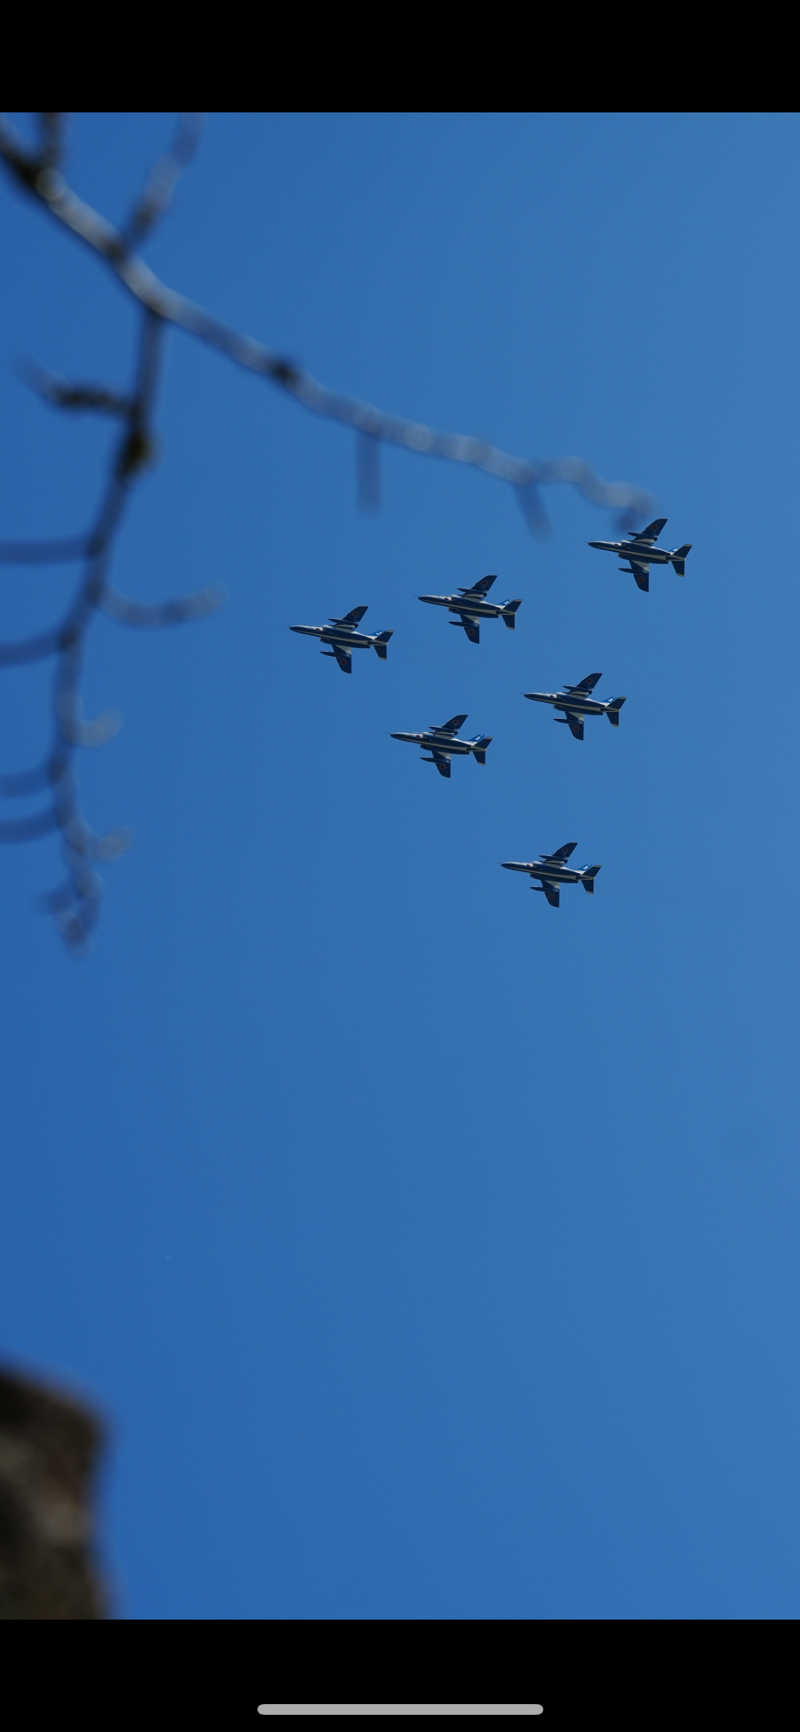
(589, 877)
(679, 559)
(380, 642)
(613, 711)
(508, 613)
(481, 746)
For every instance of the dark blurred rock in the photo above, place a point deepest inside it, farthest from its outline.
(49, 1449)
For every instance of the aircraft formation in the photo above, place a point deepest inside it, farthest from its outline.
(444, 740)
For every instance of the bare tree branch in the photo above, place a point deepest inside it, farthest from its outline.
(157, 195)
(140, 282)
(31, 649)
(52, 130)
(75, 904)
(25, 781)
(175, 612)
(65, 396)
(27, 829)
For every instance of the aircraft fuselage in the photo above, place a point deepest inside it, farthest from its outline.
(644, 551)
(582, 706)
(341, 634)
(553, 871)
(472, 605)
(436, 742)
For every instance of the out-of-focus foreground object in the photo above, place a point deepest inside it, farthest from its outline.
(50, 1444)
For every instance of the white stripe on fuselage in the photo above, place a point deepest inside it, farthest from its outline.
(581, 706)
(557, 874)
(474, 606)
(347, 639)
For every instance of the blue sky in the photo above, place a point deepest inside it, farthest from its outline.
(431, 1252)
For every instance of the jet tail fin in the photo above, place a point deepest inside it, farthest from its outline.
(380, 643)
(479, 754)
(508, 613)
(589, 877)
(613, 711)
(679, 560)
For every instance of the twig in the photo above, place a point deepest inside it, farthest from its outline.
(157, 196)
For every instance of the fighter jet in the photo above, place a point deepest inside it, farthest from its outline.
(553, 871)
(443, 742)
(343, 637)
(641, 552)
(576, 703)
(471, 606)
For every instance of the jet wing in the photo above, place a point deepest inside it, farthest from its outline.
(442, 763)
(652, 532)
(452, 726)
(344, 658)
(471, 628)
(641, 573)
(586, 685)
(551, 892)
(482, 586)
(353, 617)
(562, 853)
(575, 726)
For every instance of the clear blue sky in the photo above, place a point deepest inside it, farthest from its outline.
(433, 1253)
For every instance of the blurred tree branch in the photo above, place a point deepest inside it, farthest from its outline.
(75, 903)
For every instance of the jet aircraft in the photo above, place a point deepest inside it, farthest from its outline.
(443, 742)
(553, 871)
(641, 552)
(471, 606)
(343, 636)
(577, 702)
